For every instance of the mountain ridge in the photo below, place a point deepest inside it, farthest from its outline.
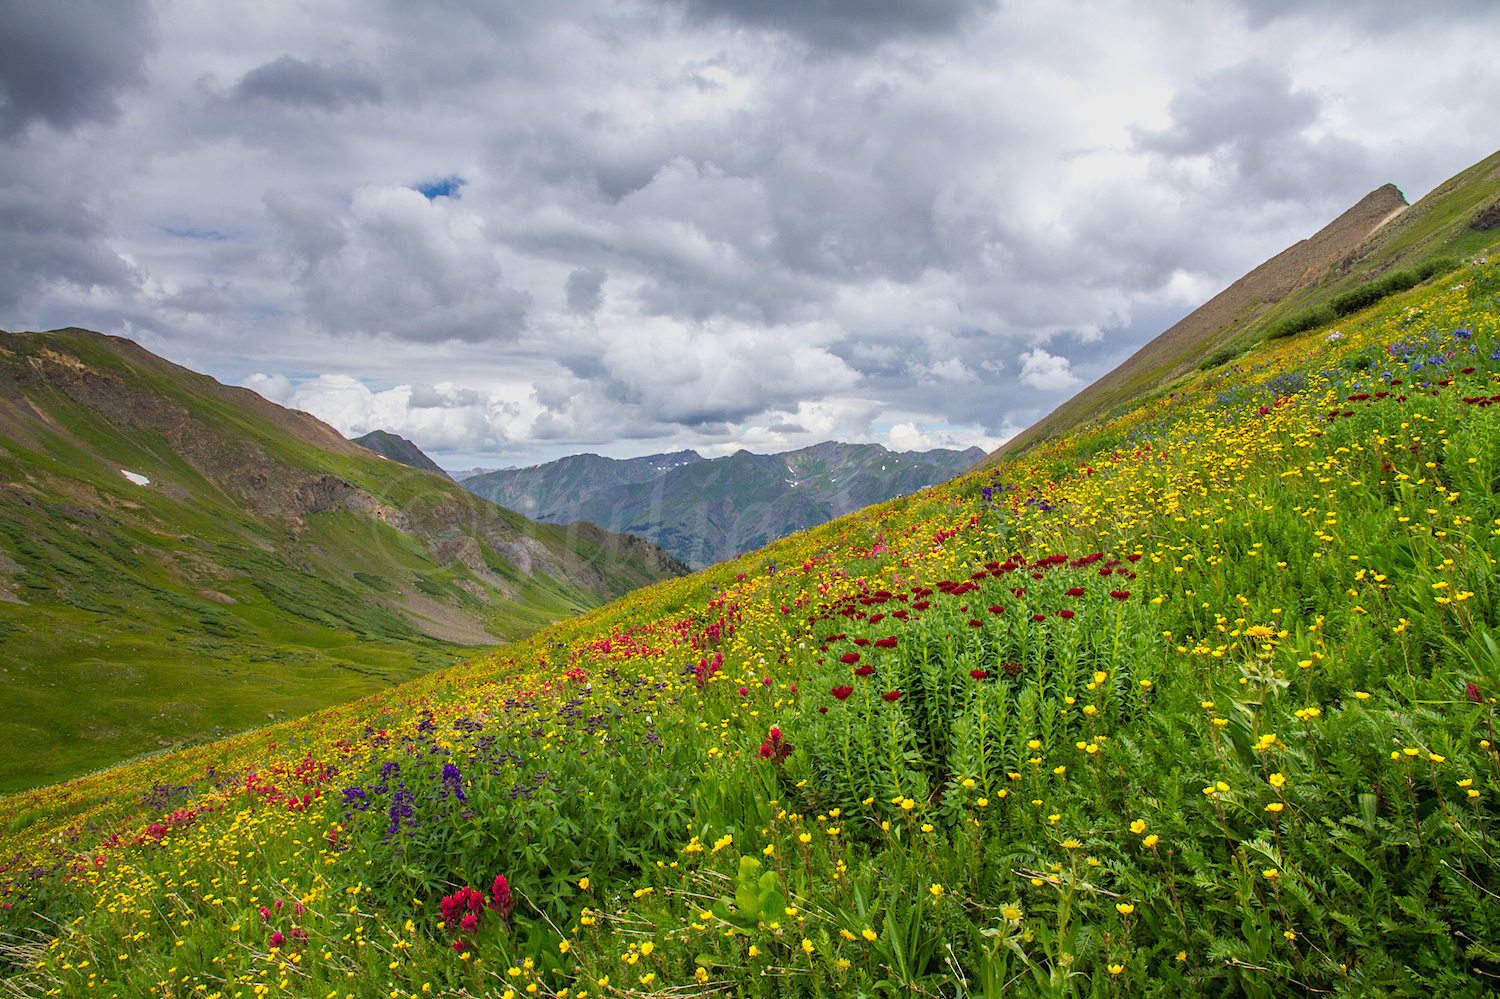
(706, 510)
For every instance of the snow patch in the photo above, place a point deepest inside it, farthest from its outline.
(136, 477)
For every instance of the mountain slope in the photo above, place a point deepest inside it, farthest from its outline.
(705, 511)
(252, 561)
(1377, 235)
(399, 449)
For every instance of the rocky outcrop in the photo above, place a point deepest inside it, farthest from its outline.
(1486, 218)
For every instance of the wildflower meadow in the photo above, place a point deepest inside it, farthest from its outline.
(1197, 701)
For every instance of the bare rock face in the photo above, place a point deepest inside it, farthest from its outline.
(1486, 218)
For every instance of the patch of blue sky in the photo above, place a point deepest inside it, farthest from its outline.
(446, 187)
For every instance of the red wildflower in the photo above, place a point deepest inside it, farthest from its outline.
(975, 623)
(849, 657)
(997, 609)
(891, 695)
(1065, 614)
(978, 674)
(865, 670)
(1076, 591)
(861, 642)
(1039, 617)
(500, 897)
(277, 939)
(1120, 594)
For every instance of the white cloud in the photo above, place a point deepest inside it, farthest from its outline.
(1043, 371)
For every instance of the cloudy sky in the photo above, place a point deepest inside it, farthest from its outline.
(513, 230)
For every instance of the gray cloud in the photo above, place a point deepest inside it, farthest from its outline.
(300, 83)
(64, 62)
(585, 289)
(49, 239)
(840, 25)
(398, 264)
(1251, 120)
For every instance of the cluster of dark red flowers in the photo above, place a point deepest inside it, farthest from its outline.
(463, 909)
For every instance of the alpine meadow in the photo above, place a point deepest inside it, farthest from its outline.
(1194, 698)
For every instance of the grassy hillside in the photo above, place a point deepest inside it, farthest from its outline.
(259, 567)
(1197, 702)
(706, 511)
(1377, 240)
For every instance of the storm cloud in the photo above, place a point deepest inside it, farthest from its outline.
(513, 231)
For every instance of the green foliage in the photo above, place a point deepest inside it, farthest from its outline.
(1373, 291)
(1301, 322)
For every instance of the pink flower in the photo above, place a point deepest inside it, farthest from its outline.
(470, 922)
(277, 939)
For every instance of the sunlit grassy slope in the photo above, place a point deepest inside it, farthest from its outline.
(1197, 701)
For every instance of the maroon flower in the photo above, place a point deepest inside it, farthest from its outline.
(1065, 614)
(975, 623)
(1076, 591)
(997, 609)
(978, 674)
(1474, 695)
(1039, 617)
(891, 695)
(822, 711)
(849, 657)
(1120, 594)
(865, 670)
(886, 643)
(277, 939)
(861, 642)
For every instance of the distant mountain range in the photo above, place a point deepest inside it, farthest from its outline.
(707, 510)
(180, 559)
